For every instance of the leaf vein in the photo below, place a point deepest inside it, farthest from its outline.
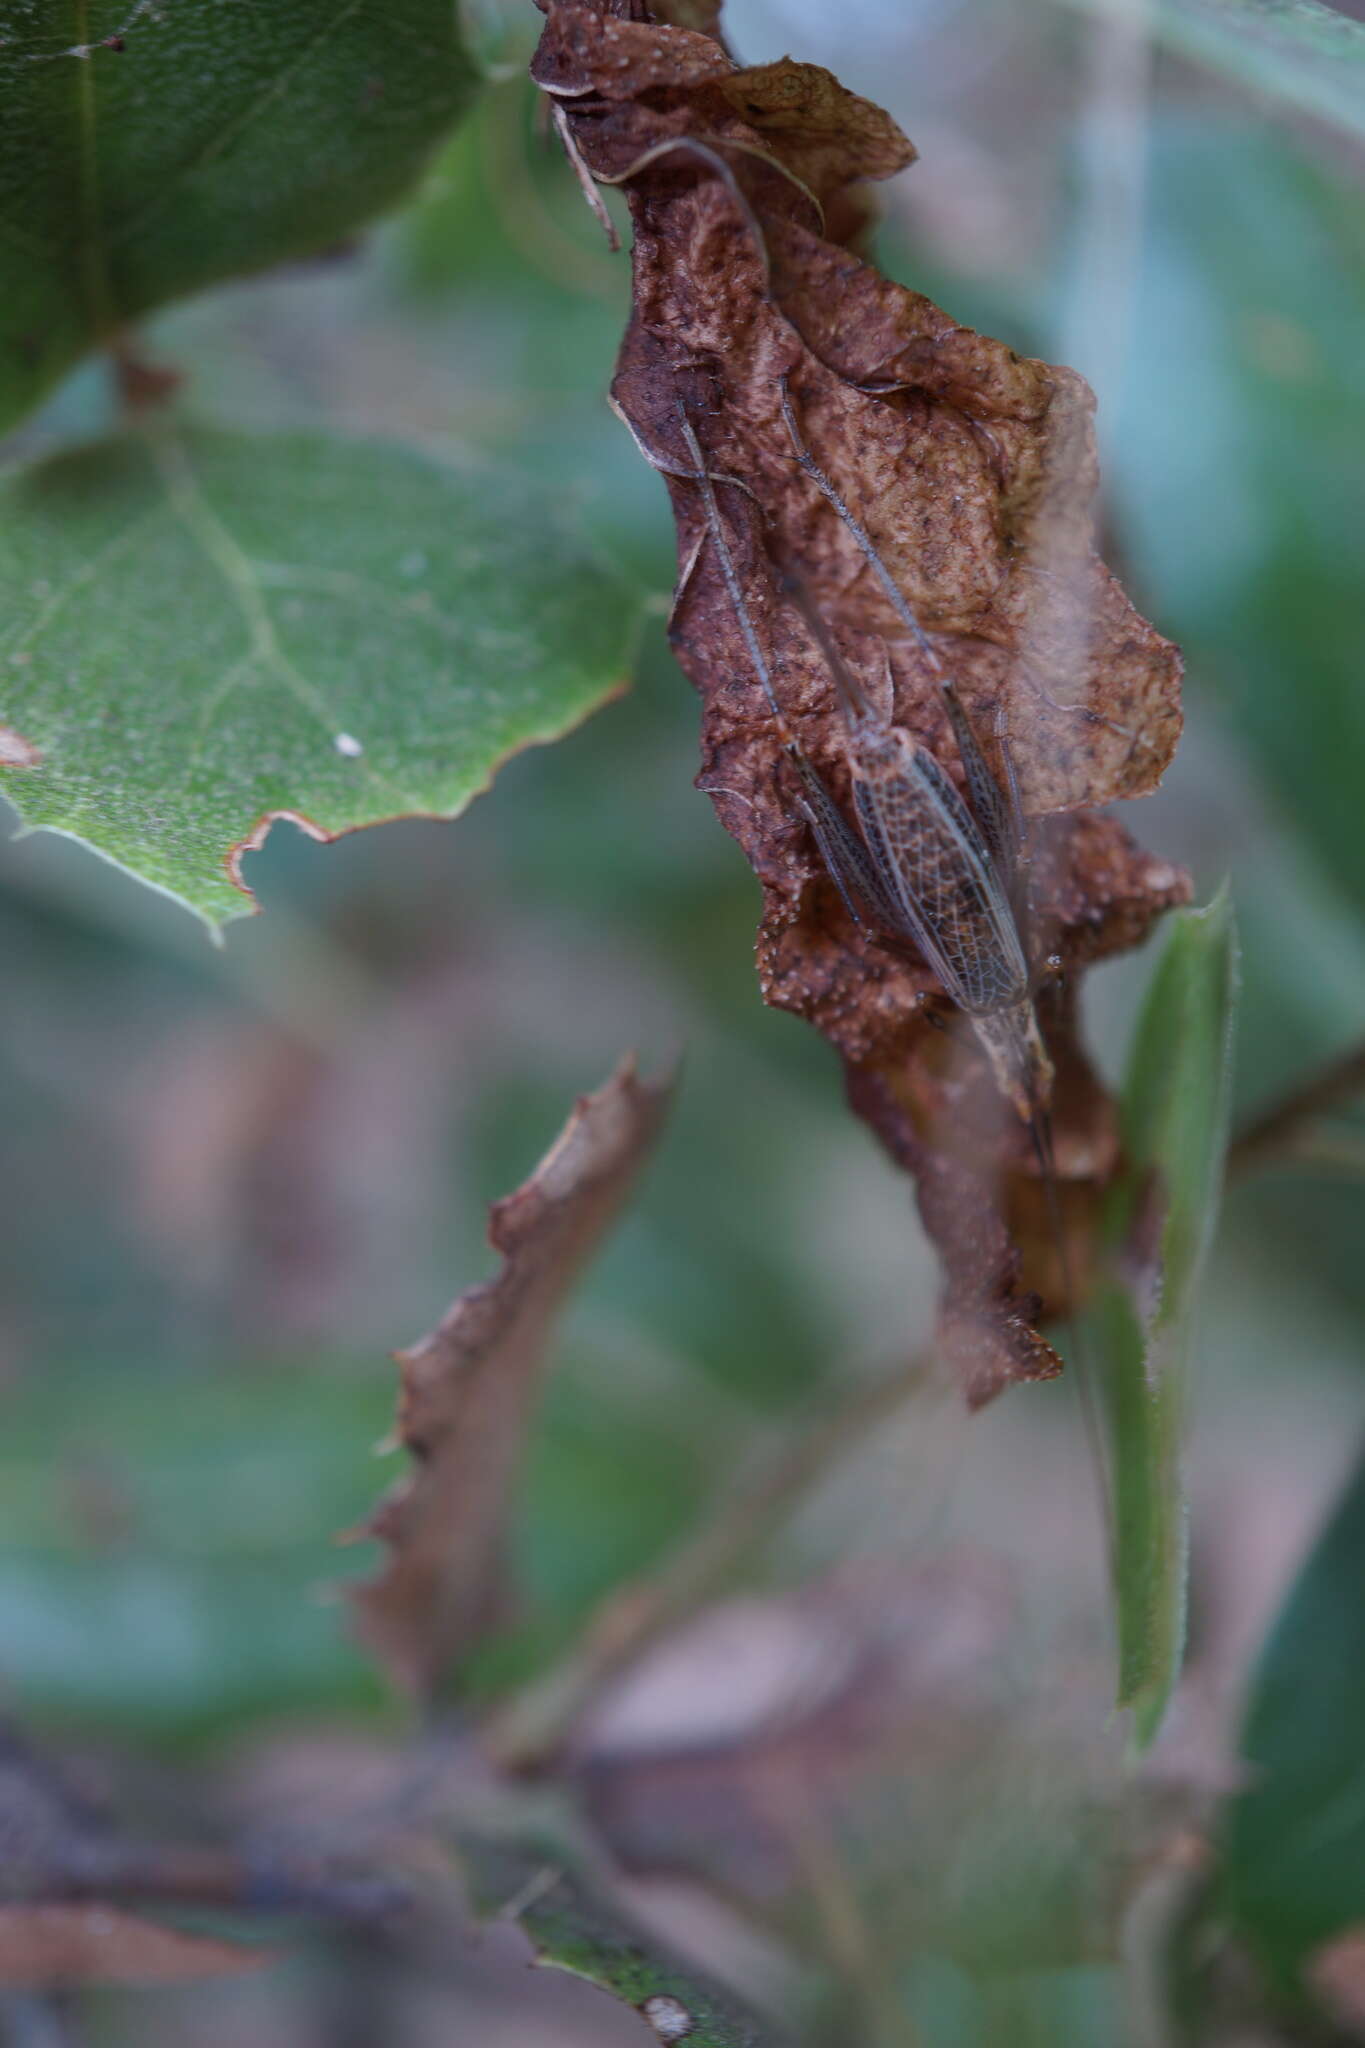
(229, 131)
(103, 557)
(238, 572)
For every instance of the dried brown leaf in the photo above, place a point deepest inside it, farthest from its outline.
(43, 1946)
(467, 1390)
(699, 14)
(820, 129)
(613, 59)
(975, 471)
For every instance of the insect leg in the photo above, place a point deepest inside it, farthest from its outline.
(1015, 864)
(728, 570)
(1013, 801)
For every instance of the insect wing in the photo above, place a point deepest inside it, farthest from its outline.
(938, 866)
(993, 810)
(866, 898)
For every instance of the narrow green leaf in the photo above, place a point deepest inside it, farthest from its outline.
(149, 151)
(201, 632)
(1151, 1546)
(1294, 1844)
(1299, 52)
(1175, 1095)
(574, 1926)
(1175, 1110)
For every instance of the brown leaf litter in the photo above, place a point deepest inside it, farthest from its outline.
(974, 469)
(467, 1390)
(44, 1947)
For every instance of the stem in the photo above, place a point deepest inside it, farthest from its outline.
(528, 1731)
(140, 385)
(236, 1880)
(855, 1955)
(1284, 1131)
(33, 2019)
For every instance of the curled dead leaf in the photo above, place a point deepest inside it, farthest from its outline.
(467, 1390)
(974, 470)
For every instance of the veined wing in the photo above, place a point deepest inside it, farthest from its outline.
(867, 899)
(993, 808)
(947, 890)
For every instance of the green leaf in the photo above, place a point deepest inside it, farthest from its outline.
(1294, 1844)
(575, 1926)
(1241, 449)
(206, 631)
(215, 141)
(1175, 1114)
(164, 1541)
(1296, 51)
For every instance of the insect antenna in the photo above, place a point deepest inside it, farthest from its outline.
(854, 702)
(716, 529)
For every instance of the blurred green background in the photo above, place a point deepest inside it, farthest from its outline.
(236, 1178)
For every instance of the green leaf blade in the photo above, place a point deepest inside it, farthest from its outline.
(1304, 55)
(206, 631)
(1176, 1101)
(1175, 1111)
(576, 1925)
(1294, 1843)
(213, 142)
(1151, 1526)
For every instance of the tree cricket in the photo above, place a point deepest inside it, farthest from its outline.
(922, 866)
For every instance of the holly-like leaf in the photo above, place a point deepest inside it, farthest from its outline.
(468, 1389)
(204, 631)
(147, 151)
(1175, 1106)
(1295, 1840)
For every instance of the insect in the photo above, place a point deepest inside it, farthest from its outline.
(922, 865)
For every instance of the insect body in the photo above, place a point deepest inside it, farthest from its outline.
(921, 866)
